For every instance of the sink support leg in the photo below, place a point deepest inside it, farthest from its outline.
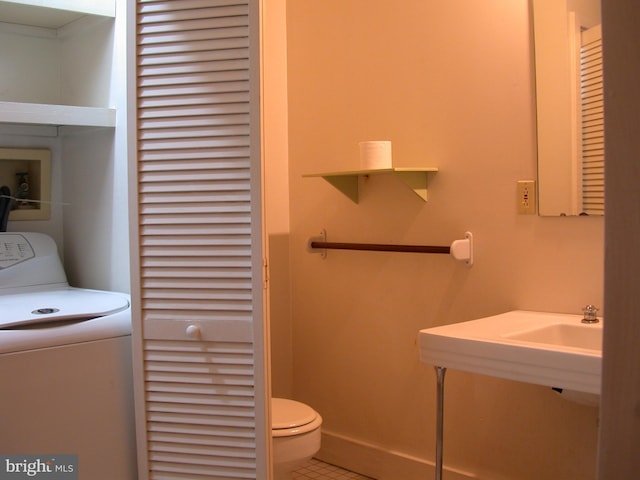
(440, 371)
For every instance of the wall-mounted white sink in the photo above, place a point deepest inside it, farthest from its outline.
(563, 335)
(552, 349)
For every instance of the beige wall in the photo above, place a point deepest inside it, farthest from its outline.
(450, 84)
(276, 192)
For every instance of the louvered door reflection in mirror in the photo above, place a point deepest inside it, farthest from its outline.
(570, 113)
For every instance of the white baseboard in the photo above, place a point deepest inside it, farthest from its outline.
(379, 463)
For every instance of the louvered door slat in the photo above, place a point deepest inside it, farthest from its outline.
(198, 143)
(165, 224)
(164, 470)
(211, 110)
(162, 25)
(163, 124)
(192, 43)
(225, 92)
(204, 53)
(152, 6)
(217, 238)
(186, 275)
(166, 102)
(173, 14)
(196, 238)
(192, 438)
(230, 452)
(200, 160)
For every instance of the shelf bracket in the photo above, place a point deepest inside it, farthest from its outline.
(347, 184)
(416, 181)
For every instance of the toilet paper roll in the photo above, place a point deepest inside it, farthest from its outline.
(375, 155)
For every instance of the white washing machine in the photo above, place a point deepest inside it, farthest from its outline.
(65, 364)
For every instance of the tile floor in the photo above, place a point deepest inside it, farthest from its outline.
(318, 470)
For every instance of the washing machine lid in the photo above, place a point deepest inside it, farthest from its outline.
(287, 414)
(64, 304)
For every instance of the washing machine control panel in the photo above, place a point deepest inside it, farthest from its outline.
(29, 259)
(14, 249)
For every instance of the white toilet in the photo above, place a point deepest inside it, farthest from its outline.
(295, 428)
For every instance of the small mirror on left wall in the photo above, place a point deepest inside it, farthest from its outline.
(570, 109)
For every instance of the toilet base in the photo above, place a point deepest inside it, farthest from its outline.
(291, 453)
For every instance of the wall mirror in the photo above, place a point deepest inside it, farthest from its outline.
(570, 110)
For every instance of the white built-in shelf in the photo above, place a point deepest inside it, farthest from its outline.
(52, 14)
(56, 115)
(39, 17)
(347, 182)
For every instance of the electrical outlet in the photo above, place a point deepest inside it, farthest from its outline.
(526, 197)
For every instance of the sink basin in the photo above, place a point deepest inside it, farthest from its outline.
(552, 349)
(562, 334)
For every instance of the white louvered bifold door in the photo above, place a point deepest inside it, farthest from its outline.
(200, 388)
(592, 101)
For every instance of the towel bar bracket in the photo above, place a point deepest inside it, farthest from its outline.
(314, 241)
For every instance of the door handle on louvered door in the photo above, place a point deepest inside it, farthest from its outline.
(193, 332)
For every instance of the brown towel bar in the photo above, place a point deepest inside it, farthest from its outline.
(459, 249)
(380, 247)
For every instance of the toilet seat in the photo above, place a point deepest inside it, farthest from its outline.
(289, 417)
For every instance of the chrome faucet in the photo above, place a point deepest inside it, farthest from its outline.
(590, 314)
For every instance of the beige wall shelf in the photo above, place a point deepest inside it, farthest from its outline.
(347, 182)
